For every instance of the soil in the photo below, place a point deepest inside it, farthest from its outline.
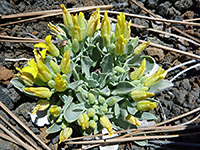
(181, 98)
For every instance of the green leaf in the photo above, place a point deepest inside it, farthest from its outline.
(123, 88)
(141, 143)
(75, 71)
(67, 101)
(131, 110)
(124, 114)
(160, 86)
(18, 83)
(54, 128)
(75, 84)
(92, 83)
(80, 96)
(86, 63)
(72, 115)
(148, 116)
(107, 64)
(132, 44)
(102, 79)
(105, 91)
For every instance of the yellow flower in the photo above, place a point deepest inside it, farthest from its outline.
(105, 122)
(93, 23)
(55, 110)
(40, 105)
(140, 95)
(57, 30)
(146, 105)
(31, 68)
(65, 134)
(43, 72)
(82, 21)
(105, 25)
(76, 30)
(26, 77)
(67, 18)
(139, 72)
(54, 66)
(49, 46)
(121, 45)
(122, 26)
(138, 50)
(83, 121)
(38, 57)
(132, 120)
(60, 83)
(65, 63)
(42, 92)
(157, 76)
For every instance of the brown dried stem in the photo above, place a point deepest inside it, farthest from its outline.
(4, 136)
(23, 125)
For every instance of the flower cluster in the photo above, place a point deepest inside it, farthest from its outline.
(96, 80)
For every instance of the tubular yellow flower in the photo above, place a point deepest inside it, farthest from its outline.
(77, 33)
(54, 66)
(121, 45)
(146, 105)
(105, 122)
(26, 77)
(127, 31)
(65, 134)
(42, 92)
(60, 83)
(138, 50)
(38, 57)
(67, 18)
(140, 95)
(93, 23)
(157, 76)
(65, 63)
(120, 26)
(139, 72)
(105, 25)
(48, 46)
(31, 68)
(83, 121)
(82, 21)
(40, 105)
(57, 30)
(55, 110)
(132, 120)
(43, 72)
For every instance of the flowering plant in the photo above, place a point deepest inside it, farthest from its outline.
(92, 77)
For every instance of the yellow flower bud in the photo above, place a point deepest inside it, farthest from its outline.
(40, 105)
(146, 105)
(67, 18)
(42, 92)
(157, 76)
(92, 124)
(132, 120)
(51, 47)
(83, 121)
(82, 21)
(65, 63)
(105, 25)
(65, 134)
(43, 72)
(121, 45)
(91, 98)
(38, 57)
(106, 40)
(93, 23)
(140, 95)
(26, 77)
(91, 112)
(120, 26)
(31, 68)
(60, 83)
(127, 31)
(111, 101)
(57, 30)
(54, 66)
(55, 111)
(139, 72)
(138, 50)
(105, 122)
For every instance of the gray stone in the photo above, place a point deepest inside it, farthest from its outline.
(163, 8)
(152, 3)
(183, 4)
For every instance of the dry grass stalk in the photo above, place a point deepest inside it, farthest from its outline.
(6, 137)
(72, 10)
(194, 19)
(176, 29)
(26, 146)
(18, 132)
(154, 19)
(23, 125)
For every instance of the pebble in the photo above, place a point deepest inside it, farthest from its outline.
(183, 4)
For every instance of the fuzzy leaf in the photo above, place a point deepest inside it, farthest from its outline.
(116, 109)
(71, 114)
(86, 63)
(105, 91)
(148, 116)
(107, 64)
(18, 83)
(131, 110)
(54, 128)
(123, 88)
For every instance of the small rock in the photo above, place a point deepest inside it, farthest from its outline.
(155, 52)
(21, 6)
(183, 4)
(180, 96)
(152, 3)
(5, 74)
(186, 84)
(6, 8)
(163, 8)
